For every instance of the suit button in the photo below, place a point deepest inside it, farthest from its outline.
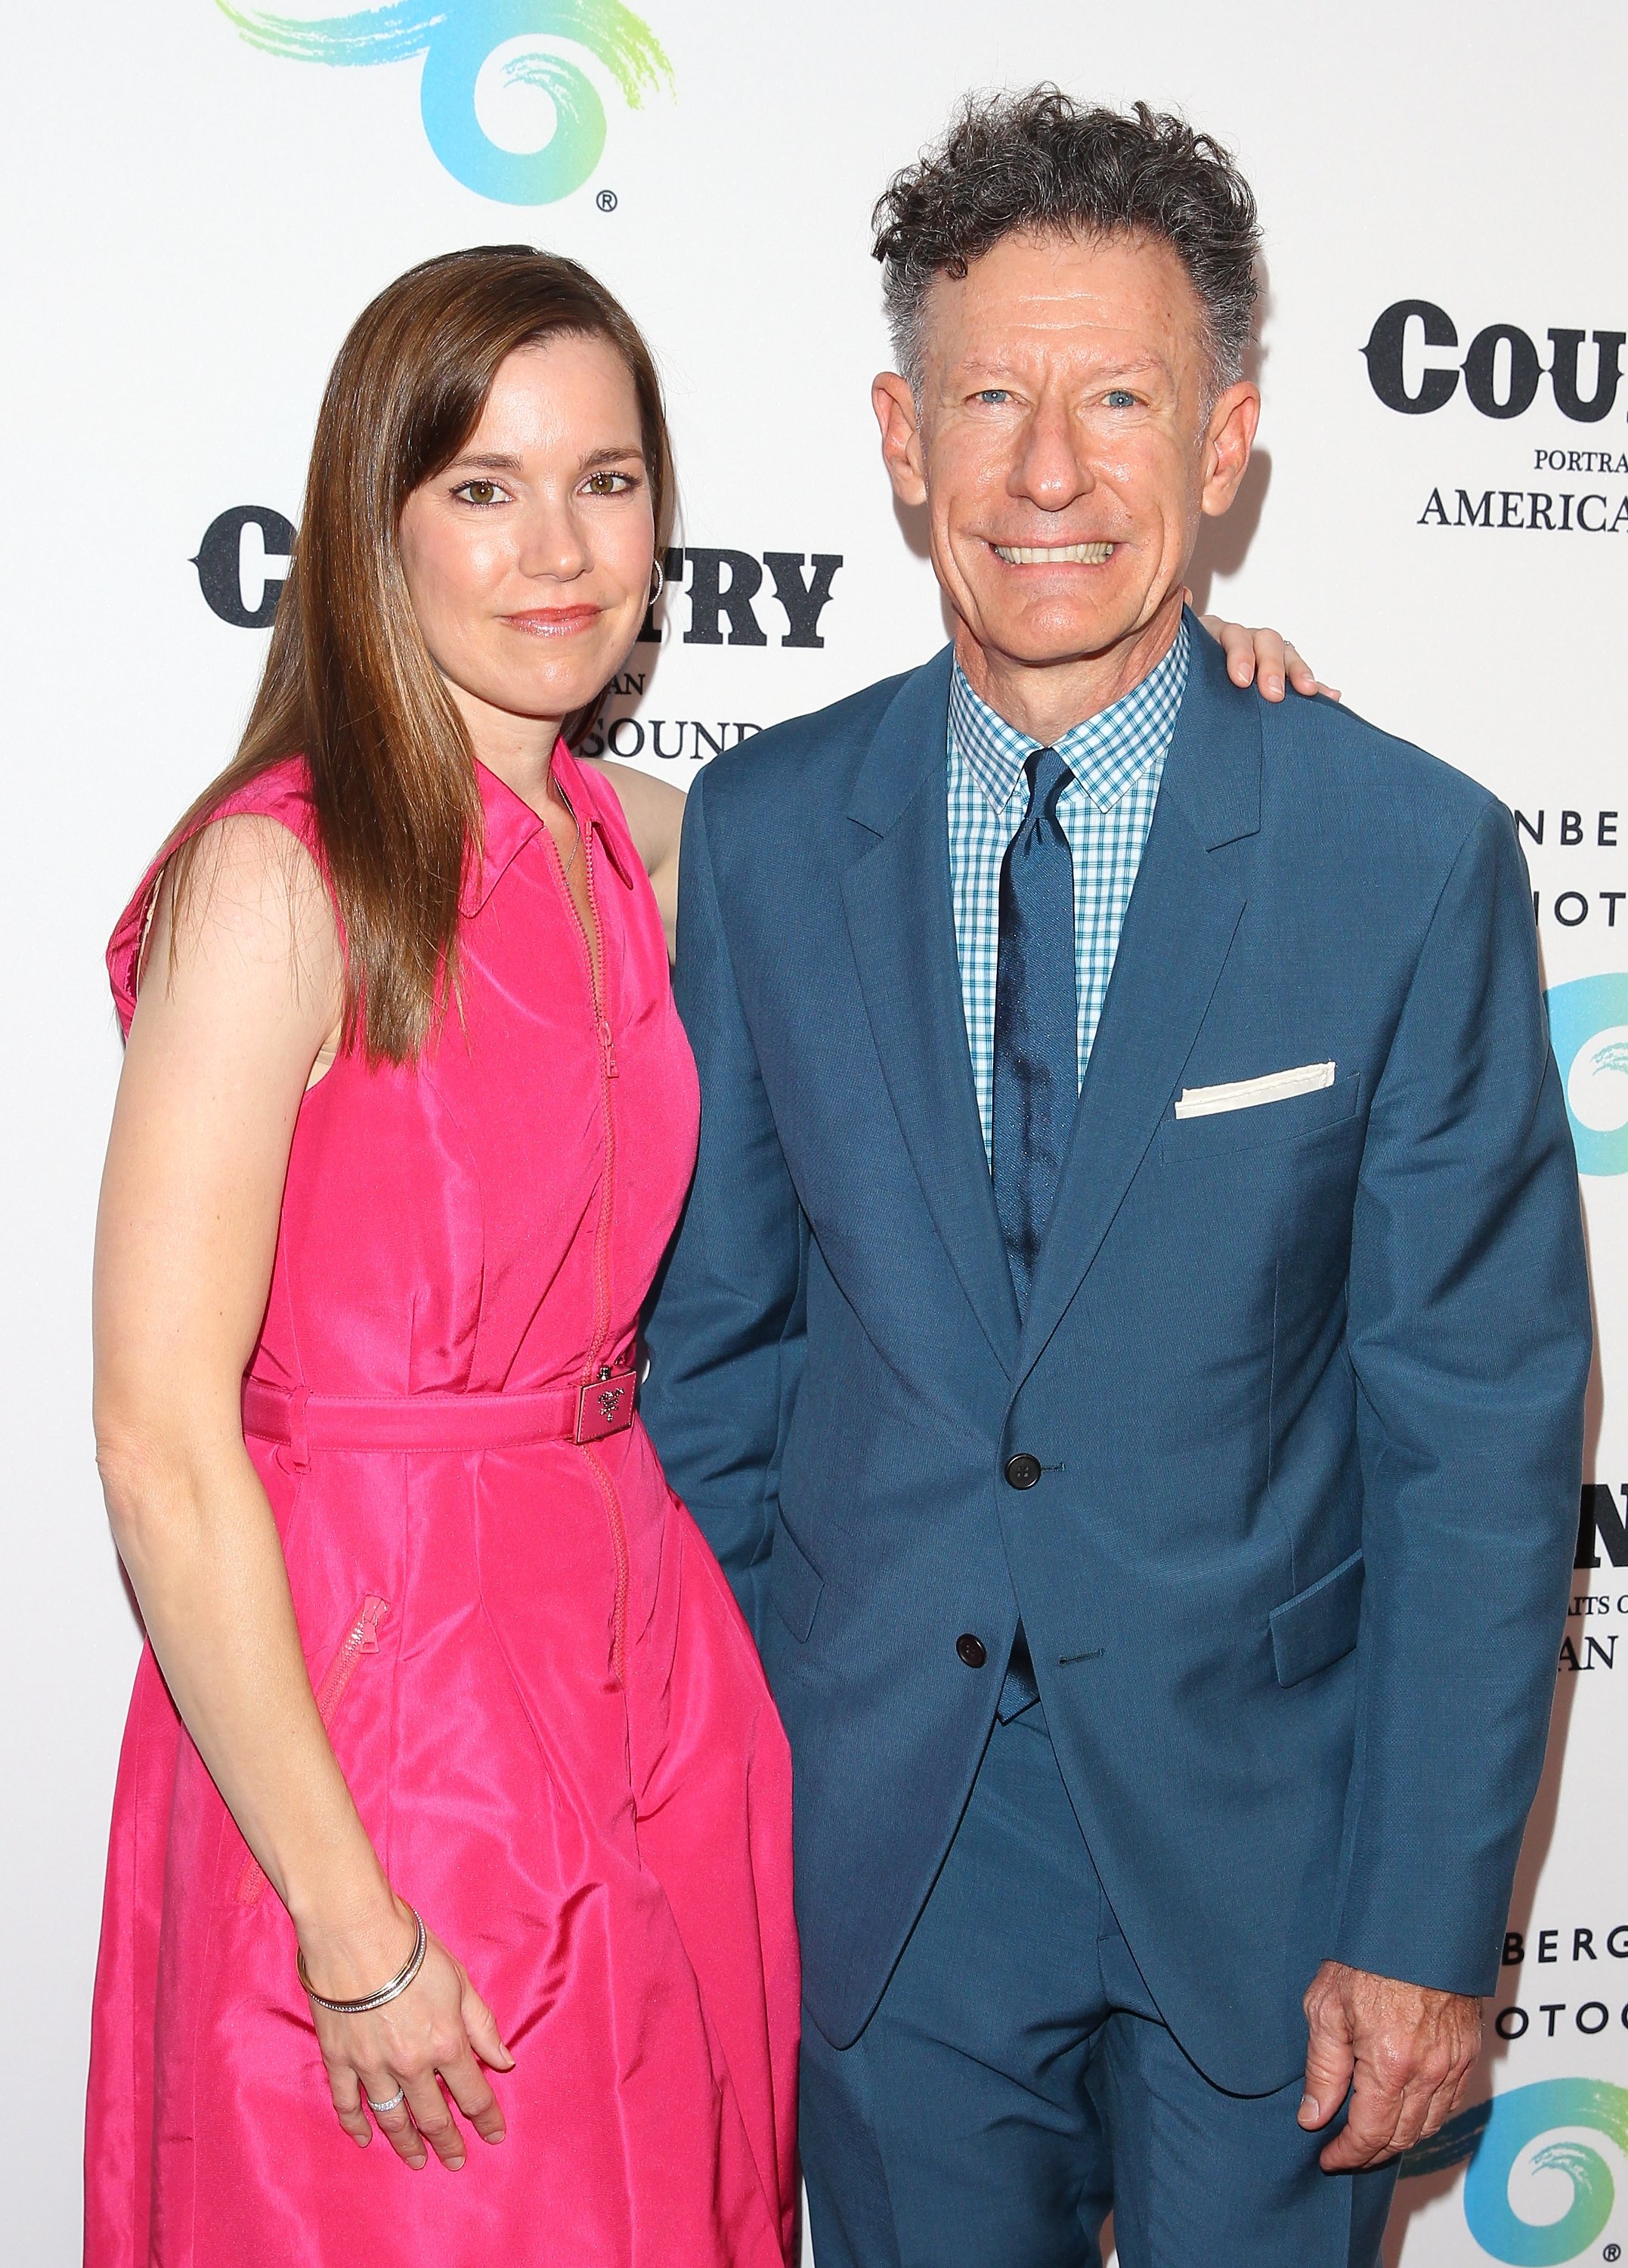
(1023, 1470)
(971, 1650)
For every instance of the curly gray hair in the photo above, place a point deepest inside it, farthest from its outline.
(1040, 163)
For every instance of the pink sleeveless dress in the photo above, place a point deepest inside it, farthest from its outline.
(535, 1679)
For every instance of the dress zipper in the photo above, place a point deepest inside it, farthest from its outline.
(593, 946)
(362, 1637)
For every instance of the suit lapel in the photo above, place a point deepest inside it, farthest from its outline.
(1178, 930)
(902, 926)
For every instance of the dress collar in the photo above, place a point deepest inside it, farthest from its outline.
(510, 823)
(1105, 753)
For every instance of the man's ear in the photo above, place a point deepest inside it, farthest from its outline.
(895, 407)
(1228, 441)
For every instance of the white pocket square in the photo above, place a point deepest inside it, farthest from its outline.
(1246, 1094)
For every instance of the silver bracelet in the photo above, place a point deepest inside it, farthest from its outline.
(396, 1985)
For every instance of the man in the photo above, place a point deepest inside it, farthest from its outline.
(1128, 1337)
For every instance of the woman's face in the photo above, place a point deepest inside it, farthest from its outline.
(528, 558)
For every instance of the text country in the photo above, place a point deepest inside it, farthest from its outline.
(1500, 371)
(243, 559)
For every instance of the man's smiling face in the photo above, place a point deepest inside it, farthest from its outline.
(1066, 442)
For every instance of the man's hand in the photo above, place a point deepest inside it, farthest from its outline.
(1411, 2051)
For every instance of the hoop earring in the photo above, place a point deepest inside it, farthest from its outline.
(658, 580)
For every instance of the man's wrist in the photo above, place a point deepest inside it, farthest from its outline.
(1419, 1958)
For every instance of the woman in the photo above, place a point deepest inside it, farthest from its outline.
(439, 1673)
(405, 1121)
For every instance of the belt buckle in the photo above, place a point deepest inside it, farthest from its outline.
(605, 1405)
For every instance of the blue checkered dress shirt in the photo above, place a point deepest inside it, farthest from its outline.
(1117, 761)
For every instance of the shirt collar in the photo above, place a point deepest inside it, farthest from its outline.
(1104, 753)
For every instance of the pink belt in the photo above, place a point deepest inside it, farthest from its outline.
(303, 1421)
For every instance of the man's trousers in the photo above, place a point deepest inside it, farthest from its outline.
(1016, 2081)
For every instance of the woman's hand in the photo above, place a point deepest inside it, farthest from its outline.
(1263, 657)
(434, 2036)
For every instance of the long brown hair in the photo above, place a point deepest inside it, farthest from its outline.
(349, 681)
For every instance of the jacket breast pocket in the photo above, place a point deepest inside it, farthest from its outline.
(1263, 1124)
(795, 1583)
(1318, 1625)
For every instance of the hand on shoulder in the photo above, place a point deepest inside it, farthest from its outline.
(1262, 657)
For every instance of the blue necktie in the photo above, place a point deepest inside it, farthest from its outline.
(1036, 1084)
(1037, 1079)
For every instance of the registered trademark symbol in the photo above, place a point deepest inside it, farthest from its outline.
(1612, 2252)
(606, 201)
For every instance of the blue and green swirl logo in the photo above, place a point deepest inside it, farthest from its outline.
(1542, 2130)
(1588, 1026)
(504, 43)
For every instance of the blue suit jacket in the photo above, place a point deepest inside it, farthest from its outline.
(1306, 1379)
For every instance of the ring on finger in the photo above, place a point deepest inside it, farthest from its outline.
(391, 2102)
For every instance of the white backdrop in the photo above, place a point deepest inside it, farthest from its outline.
(196, 219)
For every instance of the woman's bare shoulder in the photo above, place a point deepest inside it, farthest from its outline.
(247, 880)
(240, 920)
(653, 808)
